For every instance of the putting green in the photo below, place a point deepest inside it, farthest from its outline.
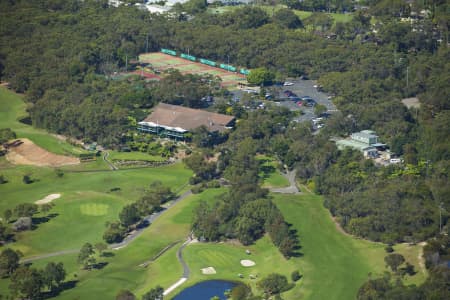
(94, 209)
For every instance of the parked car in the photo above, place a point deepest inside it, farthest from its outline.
(288, 83)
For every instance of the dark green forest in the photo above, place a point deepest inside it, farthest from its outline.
(63, 54)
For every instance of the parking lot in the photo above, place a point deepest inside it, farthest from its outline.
(300, 89)
(304, 88)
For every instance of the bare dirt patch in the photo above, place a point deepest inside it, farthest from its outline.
(28, 153)
(247, 263)
(209, 271)
(47, 199)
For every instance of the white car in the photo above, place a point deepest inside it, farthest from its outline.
(287, 83)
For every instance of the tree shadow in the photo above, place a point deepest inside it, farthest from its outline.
(99, 265)
(41, 220)
(267, 170)
(67, 285)
(107, 254)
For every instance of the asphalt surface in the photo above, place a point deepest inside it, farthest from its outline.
(150, 219)
(303, 88)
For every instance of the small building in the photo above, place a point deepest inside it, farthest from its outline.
(174, 121)
(365, 141)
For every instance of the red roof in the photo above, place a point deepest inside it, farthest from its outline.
(188, 118)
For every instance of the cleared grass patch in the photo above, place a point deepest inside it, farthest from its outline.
(12, 109)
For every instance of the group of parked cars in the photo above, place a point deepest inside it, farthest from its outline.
(301, 101)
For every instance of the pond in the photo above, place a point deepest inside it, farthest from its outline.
(205, 290)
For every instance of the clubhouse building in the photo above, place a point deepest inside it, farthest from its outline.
(173, 121)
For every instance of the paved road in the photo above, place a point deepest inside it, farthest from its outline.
(150, 219)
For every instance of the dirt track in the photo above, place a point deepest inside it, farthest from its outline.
(30, 154)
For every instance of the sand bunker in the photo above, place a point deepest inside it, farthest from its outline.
(28, 153)
(247, 263)
(209, 271)
(48, 199)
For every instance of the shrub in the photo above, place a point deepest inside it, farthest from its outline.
(295, 276)
(22, 223)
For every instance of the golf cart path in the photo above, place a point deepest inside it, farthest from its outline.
(292, 188)
(186, 270)
(150, 218)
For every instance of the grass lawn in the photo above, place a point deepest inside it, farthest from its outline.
(86, 202)
(334, 265)
(12, 108)
(337, 17)
(123, 270)
(270, 174)
(226, 257)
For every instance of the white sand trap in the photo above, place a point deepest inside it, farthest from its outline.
(209, 271)
(48, 199)
(247, 263)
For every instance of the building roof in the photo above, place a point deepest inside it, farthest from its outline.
(353, 144)
(183, 118)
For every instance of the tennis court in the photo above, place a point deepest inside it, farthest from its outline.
(162, 62)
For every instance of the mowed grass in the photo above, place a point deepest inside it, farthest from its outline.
(270, 174)
(123, 270)
(12, 108)
(225, 259)
(334, 265)
(271, 9)
(89, 199)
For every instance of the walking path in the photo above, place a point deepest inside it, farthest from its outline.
(111, 165)
(292, 188)
(186, 270)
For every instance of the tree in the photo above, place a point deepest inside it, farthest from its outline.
(27, 179)
(295, 276)
(274, 284)
(7, 214)
(2, 178)
(154, 294)
(6, 134)
(319, 109)
(260, 76)
(287, 18)
(125, 295)
(129, 215)
(46, 207)
(25, 209)
(26, 283)
(394, 260)
(53, 275)
(9, 262)
(85, 256)
(22, 223)
(100, 247)
(240, 292)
